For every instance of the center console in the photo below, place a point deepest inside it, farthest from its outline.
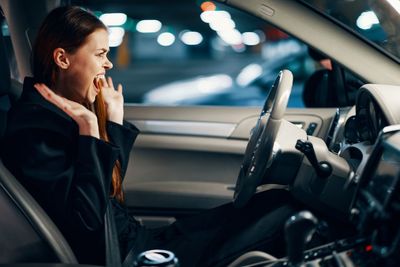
(375, 213)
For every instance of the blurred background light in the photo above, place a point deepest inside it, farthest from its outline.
(222, 24)
(116, 35)
(366, 20)
(148, 26)
(208, 6)
(208, 16)
(166, 39)
(199, 86)
(191, 38)
(231, 37)
(214, 83)
(250, 38)
(249, 74)
(113, 19)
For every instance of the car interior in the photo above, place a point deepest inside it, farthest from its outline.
(339, 157)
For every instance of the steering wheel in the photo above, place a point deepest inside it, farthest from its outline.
(259, 151)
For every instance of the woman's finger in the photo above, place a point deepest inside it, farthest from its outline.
(49, 95)
(110, 82)
(42, 90)
(59, 101)
(119, 88)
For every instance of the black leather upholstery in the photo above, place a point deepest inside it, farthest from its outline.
(5, 85)
(18, 241)
(326, 87)
(5, 80)
(317, 90)
(27, 234)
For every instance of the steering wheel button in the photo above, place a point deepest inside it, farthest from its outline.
(311, 128)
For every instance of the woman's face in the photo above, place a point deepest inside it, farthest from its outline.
(86, 65)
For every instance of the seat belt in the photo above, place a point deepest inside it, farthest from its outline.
(113, 256)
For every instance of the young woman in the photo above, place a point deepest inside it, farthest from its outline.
(67, 143)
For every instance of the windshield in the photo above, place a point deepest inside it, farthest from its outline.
(376, 20)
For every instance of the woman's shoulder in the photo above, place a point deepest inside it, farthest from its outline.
(31, 116)
(32, 111)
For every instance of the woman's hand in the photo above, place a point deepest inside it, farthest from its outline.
(113, 99)
(86, 120)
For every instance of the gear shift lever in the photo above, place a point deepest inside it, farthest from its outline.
(298, 231)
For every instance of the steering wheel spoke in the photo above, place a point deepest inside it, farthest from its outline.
(259, 150)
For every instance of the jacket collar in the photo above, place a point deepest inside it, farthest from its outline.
(31, 95)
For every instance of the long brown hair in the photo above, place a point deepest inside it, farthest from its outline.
(68, 27)
(116, 181)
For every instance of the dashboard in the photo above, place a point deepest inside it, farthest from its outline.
(375, 213)
(367, 196)
(356, 132)
(376, 205)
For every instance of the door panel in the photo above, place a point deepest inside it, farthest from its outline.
(188, 158)
(158, 168)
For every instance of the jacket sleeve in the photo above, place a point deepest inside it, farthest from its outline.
(123, 137)
(70, 178)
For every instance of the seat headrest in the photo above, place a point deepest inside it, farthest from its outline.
(318, 91)
(5, 78)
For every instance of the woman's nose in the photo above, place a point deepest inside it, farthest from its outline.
(108, 65)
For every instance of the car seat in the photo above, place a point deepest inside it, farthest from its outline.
(325, 87)
(318, 91)
(27, 234)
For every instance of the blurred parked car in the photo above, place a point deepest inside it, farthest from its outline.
(248, 88)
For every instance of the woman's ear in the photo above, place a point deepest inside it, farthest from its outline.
(60, 58)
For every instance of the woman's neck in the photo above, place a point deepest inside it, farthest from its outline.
(68, 89)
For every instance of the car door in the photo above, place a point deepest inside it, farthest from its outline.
(188, 158)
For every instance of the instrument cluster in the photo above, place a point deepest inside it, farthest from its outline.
(367, 123)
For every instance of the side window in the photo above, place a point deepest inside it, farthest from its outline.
(202, 53)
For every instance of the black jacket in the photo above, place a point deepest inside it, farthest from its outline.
(67, 173)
